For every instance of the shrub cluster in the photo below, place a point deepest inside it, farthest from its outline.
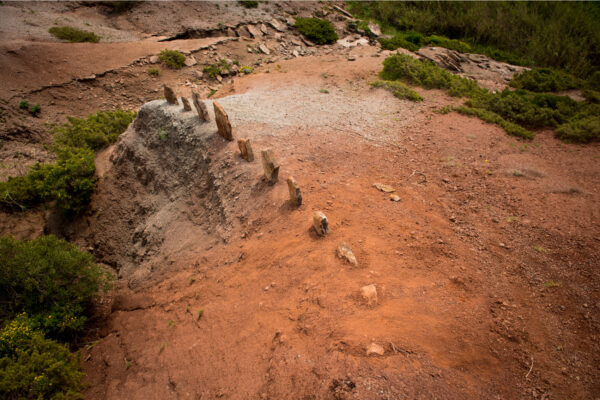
(544, 80)
(249, 3)
(514, 110)
(74, 35)
(413, 41)
(46, 289)
(70, 181)
(172, 58)
(319, 31)
(398, 89)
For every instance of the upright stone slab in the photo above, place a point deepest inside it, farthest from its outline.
(320, 223)
(186, 104)
(170, 95)
(246, 149)
(295, 196)
(200, 107)
(222, 121)
(270, 165)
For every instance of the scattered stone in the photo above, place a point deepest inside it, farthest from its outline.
(199, 74)
(170, 95)
(295, 195)
(375, 349)
(190, 61)
(346, 13)
(375, 29)
(369, 294)
(278, 26)
(254, 31)
(186, 104)
(200, 107)
(395, 197)
(344, 251)
(384, 188)
(270, 165)
(320, 223)
(219, 78)
(222, 121)
(295, 53)
(246, 149)
(264, 49)
(351, 58)
(154, 60)
(263, 29)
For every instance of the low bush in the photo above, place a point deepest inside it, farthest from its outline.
(153, 71)
(397, 41)
(74, 35)
(213, 70)
(319, 31)
(413, 41)
(583, 130)
(249, 3)
(35, 109)
(398, 89)
(493, 118)
(246, 69)
(24, 105)
(427, 75)
(544, 80)
(34, 367)
(172, 58)
(96, 131)
(52, 281)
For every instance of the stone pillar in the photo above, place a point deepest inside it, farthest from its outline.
(320, 223)
(295, 196)
(186, 104)
(170, 95)
(246, 149)
(200, 107)
(222, 121)
(270, 165)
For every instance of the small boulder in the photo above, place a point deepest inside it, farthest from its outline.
(264, 49)
(254, 31)
(222, 121)
(270, 165)
(369, 294)
(375, 350)
(344, 251)
(154, 60)
(278, 26)
(263, 29)
(384, 188)
(200, 107)
(186, 104)
(295, 195)
(395, 197)
(190, 61)
(170, 95)
(246, 149)
(375, 29)
(320, 223)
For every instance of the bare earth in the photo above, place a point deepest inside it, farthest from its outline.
(486, 271)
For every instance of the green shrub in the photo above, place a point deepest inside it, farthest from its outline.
(397, 41)
(153, 71)
(213, 70)
(249, 3)
(34, 367)
(413, 41)
(583, 130)
(52, 281)
(319, 31)
(398, 89)
(73, 35)
(246, 69)
(172, 58)
(24, 105)
(591, 95)
(544, 80)
(95, 131)
(452, 44)
(491, 117)
(593, 82)
(35, 109)
(427, 75)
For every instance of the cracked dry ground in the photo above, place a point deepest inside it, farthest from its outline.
(486, 270)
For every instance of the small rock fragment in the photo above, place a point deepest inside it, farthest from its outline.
(395, 197)
(264, 49)
(154, 60)
(351, 58)
(246, 149)
(320, 223)
(295, 196)
(190, 61)
(277, 25)
(186, 104)
(344, 251)
(270, 165)
(170, 95)
(198, 74)
(384, 188)
(254, 31)
(375, 349)
(223, 122)
(369, 294)
(200, 107)
(263, 29)
(375, 29)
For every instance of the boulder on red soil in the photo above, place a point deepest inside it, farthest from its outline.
(270, 165)
(246, 149)
(375, 350)
(200, 107)
(320, 223)
(344, 251)
(369, 294)
(186, 104)
(222, 121)
(295, 195)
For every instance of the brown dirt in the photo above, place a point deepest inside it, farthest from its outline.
(486, 270)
